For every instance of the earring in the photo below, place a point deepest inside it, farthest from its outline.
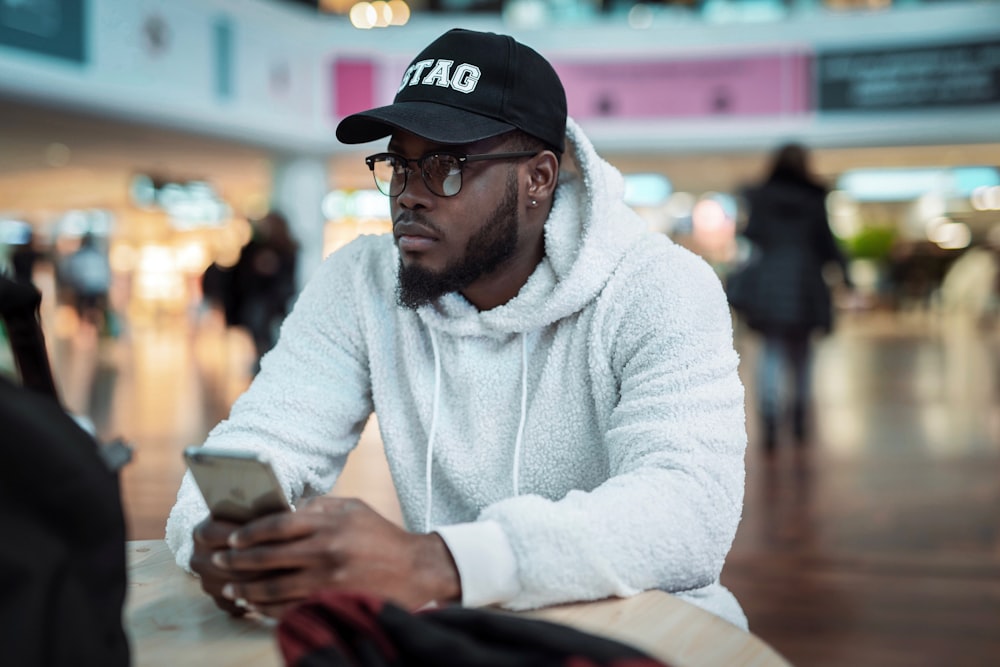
(534, 203)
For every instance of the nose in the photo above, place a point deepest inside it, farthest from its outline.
(415, 193)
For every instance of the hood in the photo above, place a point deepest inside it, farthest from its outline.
(588, 231)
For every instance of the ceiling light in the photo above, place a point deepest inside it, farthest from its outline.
(363, 16)
(400, 12)
(383, 14)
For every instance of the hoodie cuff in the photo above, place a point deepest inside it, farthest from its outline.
(485, 560)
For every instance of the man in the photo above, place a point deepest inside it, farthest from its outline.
(556, 387)
(88, 272)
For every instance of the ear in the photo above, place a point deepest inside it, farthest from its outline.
(543, 174)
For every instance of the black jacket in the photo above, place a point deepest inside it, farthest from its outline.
(785, 290)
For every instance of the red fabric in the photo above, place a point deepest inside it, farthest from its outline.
(325, 620)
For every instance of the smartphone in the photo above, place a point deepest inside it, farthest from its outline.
(237, 485)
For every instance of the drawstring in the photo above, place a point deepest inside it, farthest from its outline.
(430, 437)
(434, 416)
(524, 411)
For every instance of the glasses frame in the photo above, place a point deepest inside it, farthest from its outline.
(462, 160)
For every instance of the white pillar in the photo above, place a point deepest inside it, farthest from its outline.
(299, 185)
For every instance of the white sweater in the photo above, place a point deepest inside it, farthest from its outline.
(584, 440)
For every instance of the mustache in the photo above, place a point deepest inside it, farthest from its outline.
(415, 218)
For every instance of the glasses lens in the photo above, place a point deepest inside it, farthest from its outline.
(443, 174)
(390, 175)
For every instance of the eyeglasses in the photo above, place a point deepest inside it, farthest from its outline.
(441, 172)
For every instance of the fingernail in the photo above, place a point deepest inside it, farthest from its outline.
(232, 540)
(241, 603)
(218, 560)
(229, 592)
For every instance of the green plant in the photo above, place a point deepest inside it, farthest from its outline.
(871, 242)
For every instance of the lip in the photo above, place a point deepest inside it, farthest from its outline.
(413, 237)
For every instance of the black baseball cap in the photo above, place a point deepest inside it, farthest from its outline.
(467, 86)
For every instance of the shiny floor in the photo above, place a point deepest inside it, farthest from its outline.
(877, 544)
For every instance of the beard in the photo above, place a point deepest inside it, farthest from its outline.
(492, 245)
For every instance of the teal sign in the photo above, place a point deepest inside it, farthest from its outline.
(53, 28)
(223, 31)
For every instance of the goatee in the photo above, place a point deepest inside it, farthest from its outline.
(492, 245)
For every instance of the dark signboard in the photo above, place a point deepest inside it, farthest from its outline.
(51, 27)
(903, 78)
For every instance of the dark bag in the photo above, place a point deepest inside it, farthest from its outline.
(335, 629)
(62, 555)
(743, 285)
(742, 288)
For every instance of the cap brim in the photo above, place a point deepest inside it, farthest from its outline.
(435, 122)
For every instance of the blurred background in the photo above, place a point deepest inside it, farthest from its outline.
(157, 131)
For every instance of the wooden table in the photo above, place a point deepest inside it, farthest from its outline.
(170, 622)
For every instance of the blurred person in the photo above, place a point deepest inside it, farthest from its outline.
(969, 287)
(783, 294)
(87, 272)
(24, 258)
(556, 385)
(262, 283)
(6, 267)
(217, 291)
(916, 269)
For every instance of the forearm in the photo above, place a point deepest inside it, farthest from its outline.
(670, 531)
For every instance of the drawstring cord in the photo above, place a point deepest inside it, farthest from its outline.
(430, 437)
(524, 411)
(429, 492)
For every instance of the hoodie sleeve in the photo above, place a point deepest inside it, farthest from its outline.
(309, 403)
(675, 440)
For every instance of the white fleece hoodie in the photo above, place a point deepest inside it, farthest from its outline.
(583, 440)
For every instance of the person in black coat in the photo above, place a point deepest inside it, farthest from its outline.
(784, 295)
(263, 281)
(24, 258)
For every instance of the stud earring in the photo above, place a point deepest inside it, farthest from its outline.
(534, 203)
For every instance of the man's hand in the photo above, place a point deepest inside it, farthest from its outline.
(211, 536)
(333, 543)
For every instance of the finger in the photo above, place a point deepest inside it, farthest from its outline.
(213, 577)
(276, 610)
(213, 534)
(279, 589)
(213, 587)
(278, 527)
(298, 554)
(202, 565)
(235, 608)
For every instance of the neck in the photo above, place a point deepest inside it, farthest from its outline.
(502, 285)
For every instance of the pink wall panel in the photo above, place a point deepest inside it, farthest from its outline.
(762, 85)
(355, 86)
(753, 85)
